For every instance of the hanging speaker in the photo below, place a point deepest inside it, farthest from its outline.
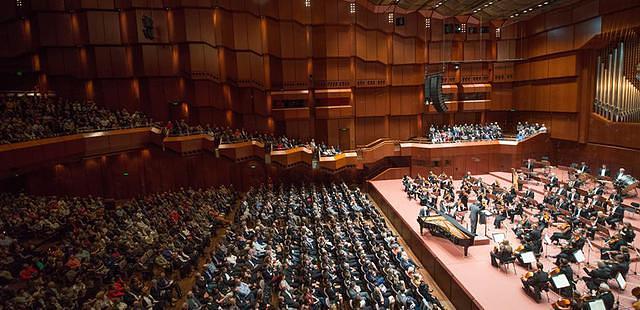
(433, 92)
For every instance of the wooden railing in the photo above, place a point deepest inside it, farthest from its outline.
(17, 157)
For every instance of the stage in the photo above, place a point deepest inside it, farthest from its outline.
(471, 282)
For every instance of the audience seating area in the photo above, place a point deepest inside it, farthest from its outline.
(305, 247)
(72, 253)
(24, 118)
(464, 133)
(229, 136)
(524, 130)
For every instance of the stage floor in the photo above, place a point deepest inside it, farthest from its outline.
(490, 288)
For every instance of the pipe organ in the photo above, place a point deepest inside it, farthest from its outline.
(616, 97)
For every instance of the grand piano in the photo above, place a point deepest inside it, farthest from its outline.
(444, 226)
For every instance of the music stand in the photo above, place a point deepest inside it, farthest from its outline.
(528, 258)
(589, 253)
(547, 242)
(498, 237)
(560, 281)
(597, 304)
(622, 283)
(486, 215)
(579, 256)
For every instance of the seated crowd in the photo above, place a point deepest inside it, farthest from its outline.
(526, 130)
(89, 253)
(303, 247)
(29, 118)
(226, 135)
(466, 132)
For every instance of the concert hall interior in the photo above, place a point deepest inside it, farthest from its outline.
(319, 154)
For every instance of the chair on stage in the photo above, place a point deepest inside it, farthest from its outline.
(506, 262)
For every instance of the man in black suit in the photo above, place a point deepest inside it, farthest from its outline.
(528, 193)
(553, 182)
(620, 174)
(597, 276)
(583, 168)
(573, 195)
(604, 171)
(474, 213)
(530, 164)
(561, 191)
(616, 215)
(536, 283)
(607, 297)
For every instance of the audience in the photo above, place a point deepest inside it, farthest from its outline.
(29, 118)
(77, 253)
(526, 130)
(228, 136)
(462, 133)
(309, 247)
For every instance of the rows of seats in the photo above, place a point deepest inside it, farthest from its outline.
(24, 118)
(309, 246)
(72, 253)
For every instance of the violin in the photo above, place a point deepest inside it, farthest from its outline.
(562, 304)
(527, 276)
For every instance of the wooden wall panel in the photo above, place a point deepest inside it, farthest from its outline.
(564, 126)
(406, 101)
(371, 102)
(584, 31)
(563, 97)
(560, 40)
(403, 127)
(369, 129)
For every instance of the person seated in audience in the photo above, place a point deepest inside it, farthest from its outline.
(27, 118)
(459, 133)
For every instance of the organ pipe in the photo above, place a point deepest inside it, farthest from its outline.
(616, 97)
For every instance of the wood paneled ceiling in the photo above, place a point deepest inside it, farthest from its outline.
(486, 10)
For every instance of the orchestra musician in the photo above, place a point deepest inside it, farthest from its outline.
(628, 233)
(561, 191)
(501, 214)
(535, 282)
(619, 175)
(596, 191)
(530, 165)
(576, 243)
(553, 182)
(565, 233)
(528, 193)
(597, 276)
(599, 219)
(612, 245)
(501, 253)
(604, 171)
(604, 293)
(583, 168)
(616, 215)
(563, 267)
(573, 195)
